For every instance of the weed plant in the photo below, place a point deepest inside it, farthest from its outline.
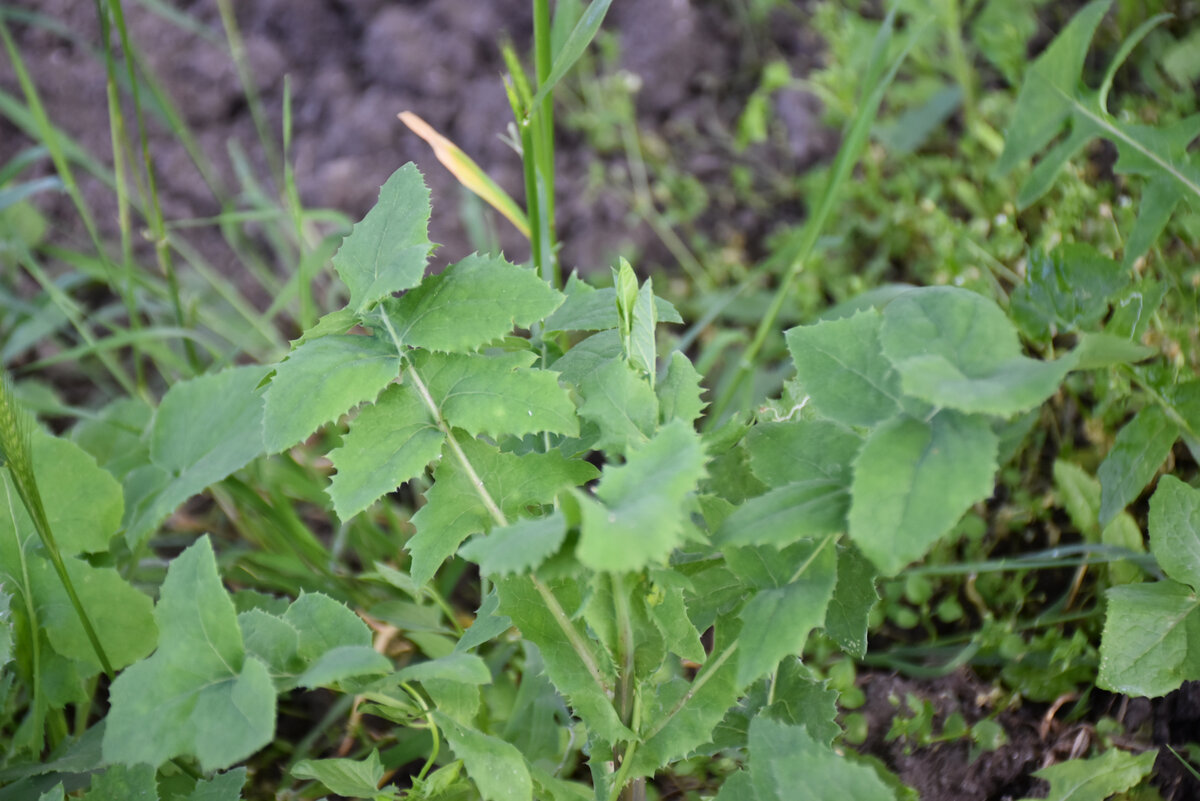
(491, 520)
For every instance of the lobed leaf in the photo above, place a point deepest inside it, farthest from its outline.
(787, 764)
(389, 442)
(642, 515)
(518, 547)
(472, 303)
(321, 380)
(387, 251)
(620, 404)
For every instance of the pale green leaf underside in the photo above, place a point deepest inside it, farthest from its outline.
(913, 480)
(386, 252)
(787, 514)
(518, 547)
(321, 380)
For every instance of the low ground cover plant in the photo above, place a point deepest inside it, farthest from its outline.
(562, 557)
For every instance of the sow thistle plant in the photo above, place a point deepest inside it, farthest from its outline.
(665, 581)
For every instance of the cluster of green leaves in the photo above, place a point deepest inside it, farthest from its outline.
(664, 583)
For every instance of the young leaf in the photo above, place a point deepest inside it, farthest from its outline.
(389, 442)
(121, 783)
(518, 547)
(386, 252)
(1175, 530)
(589, 309)
(321, 380)
(913, 480)
(641, 348)
(354, 778)
(1114, 771)
(472, 303)
(679, 391)
(498, 769)
(454, 510)
(787, 764)
(840, 366)
(1138, 451)
(643, 513)
(956, 349)
(622, 405)
(666, 608)
(777, 621)
(199, 694)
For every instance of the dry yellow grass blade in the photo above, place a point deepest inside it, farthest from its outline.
(467, 171)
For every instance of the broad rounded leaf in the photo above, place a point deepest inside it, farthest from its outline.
(1175, 530)
(913, 480)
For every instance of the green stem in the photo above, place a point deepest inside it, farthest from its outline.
(548, 598)
(854, 144)
(544, 140)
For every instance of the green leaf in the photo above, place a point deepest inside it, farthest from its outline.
(1097, 350)
(1138, 451)
(853, 598)
(621, 404)
(679, 392)
(471, 304)
(121, 783)
(787, 764)
(641, 348)
(1175, 530)
(454, 511)
(6, 628)
(577, 41)
(205, 429)
(589, 309)
(354, 778)
(518, 547)
(802, 451)
(1079, 494)
(222, 787)
(913, 480)
(681, 715)
(787, 514)
(1151, 639)
(497, 395)
(1097, 778)
(389, 442)
(122, 616)
(841, 368)
(588, 695)
(777, 621)
(958, 350)
(1040, 111)
(667, 610)
(1067, 289)
(497, 768)
(199, 694)
(321, 380)
(643, 513)
(459, 666)
(802, 699)
(387, 251)
(582, 360)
